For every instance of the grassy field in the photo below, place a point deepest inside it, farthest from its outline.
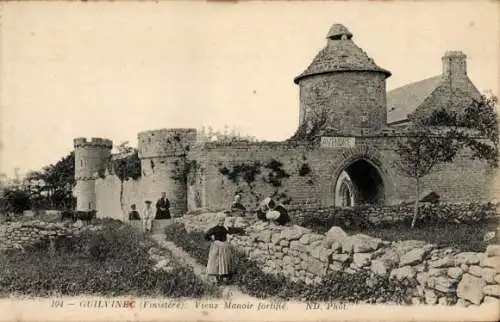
(465, 237)
(112, 262)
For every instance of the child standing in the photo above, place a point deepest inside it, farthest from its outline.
(148, 215)
(133, 214)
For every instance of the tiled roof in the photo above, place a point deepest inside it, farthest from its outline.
(339, 55)
(405, 99)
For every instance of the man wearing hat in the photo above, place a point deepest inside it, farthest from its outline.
(147, 217)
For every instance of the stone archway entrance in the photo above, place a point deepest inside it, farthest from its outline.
(360, 182)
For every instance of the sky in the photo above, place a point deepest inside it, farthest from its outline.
(113, 69)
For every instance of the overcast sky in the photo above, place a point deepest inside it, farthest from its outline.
(114, 69)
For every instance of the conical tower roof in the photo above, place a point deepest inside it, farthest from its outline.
(340, 54)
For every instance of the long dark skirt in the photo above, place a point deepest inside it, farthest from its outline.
(162, 214)
(220, 258)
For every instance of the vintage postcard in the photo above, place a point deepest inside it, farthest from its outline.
(249, 161)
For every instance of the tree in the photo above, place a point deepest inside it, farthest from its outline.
(127, 167)
(14, 200)
(420, 153)
(438, 138)
(53, 184)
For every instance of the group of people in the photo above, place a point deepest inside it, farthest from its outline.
(162, 212)
(220, 257)
(268, 210)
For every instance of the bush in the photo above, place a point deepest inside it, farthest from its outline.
(335, 286)
(111, 262)
(15, 201)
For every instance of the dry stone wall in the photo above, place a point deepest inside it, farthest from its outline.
(444, 276)
(381, 215)
(18, 235)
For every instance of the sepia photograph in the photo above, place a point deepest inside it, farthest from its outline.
(249, 161)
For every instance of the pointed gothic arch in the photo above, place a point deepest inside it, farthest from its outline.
(362, 178)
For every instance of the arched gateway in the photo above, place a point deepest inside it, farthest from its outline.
(361, 179)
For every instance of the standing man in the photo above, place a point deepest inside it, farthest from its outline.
(163, 207)
(147, 218)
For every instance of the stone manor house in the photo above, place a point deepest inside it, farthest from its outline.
(353, 163)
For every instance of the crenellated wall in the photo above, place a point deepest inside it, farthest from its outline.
(91, 157)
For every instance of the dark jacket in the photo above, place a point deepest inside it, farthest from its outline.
(284, 218)
(165, 204)
(134, 215)
(236, 206)
(219, 232)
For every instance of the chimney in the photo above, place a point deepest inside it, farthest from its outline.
(454, 65)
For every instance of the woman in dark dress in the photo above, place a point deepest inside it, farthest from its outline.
(237, 206)
(220, 254)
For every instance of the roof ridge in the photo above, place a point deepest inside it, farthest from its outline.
(416, 82)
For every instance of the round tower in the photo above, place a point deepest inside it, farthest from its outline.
(164, 164)
(343, 91)
(91, 157)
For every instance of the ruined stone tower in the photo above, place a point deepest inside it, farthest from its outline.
(343, 88)
(91, 157)
(164, 164)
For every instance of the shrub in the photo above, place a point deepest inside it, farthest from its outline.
(335, 286)
(112, 262)
(15, 200)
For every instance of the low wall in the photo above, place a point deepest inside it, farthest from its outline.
(388, 215)
(444, 276)
(18, 235)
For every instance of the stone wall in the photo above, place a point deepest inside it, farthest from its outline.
(345, 98)
(465, 180)
(108, 197)
(387, 215)
(18, 235)
(444, 276)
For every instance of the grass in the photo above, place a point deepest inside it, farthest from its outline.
(112, 262)
(437, 229)
(465, 237)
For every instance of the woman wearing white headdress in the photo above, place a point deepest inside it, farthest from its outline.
(220, 254)
(269, 210)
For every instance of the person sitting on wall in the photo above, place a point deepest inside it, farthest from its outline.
(163, 207)
(133, 214)
(269, 210)
(147, 219)
(237, 206)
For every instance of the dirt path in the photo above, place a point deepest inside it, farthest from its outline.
(228, 291)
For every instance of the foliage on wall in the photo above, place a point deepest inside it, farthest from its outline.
(128, 167)
(304, 170)
(185, 171)
(251, 173)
